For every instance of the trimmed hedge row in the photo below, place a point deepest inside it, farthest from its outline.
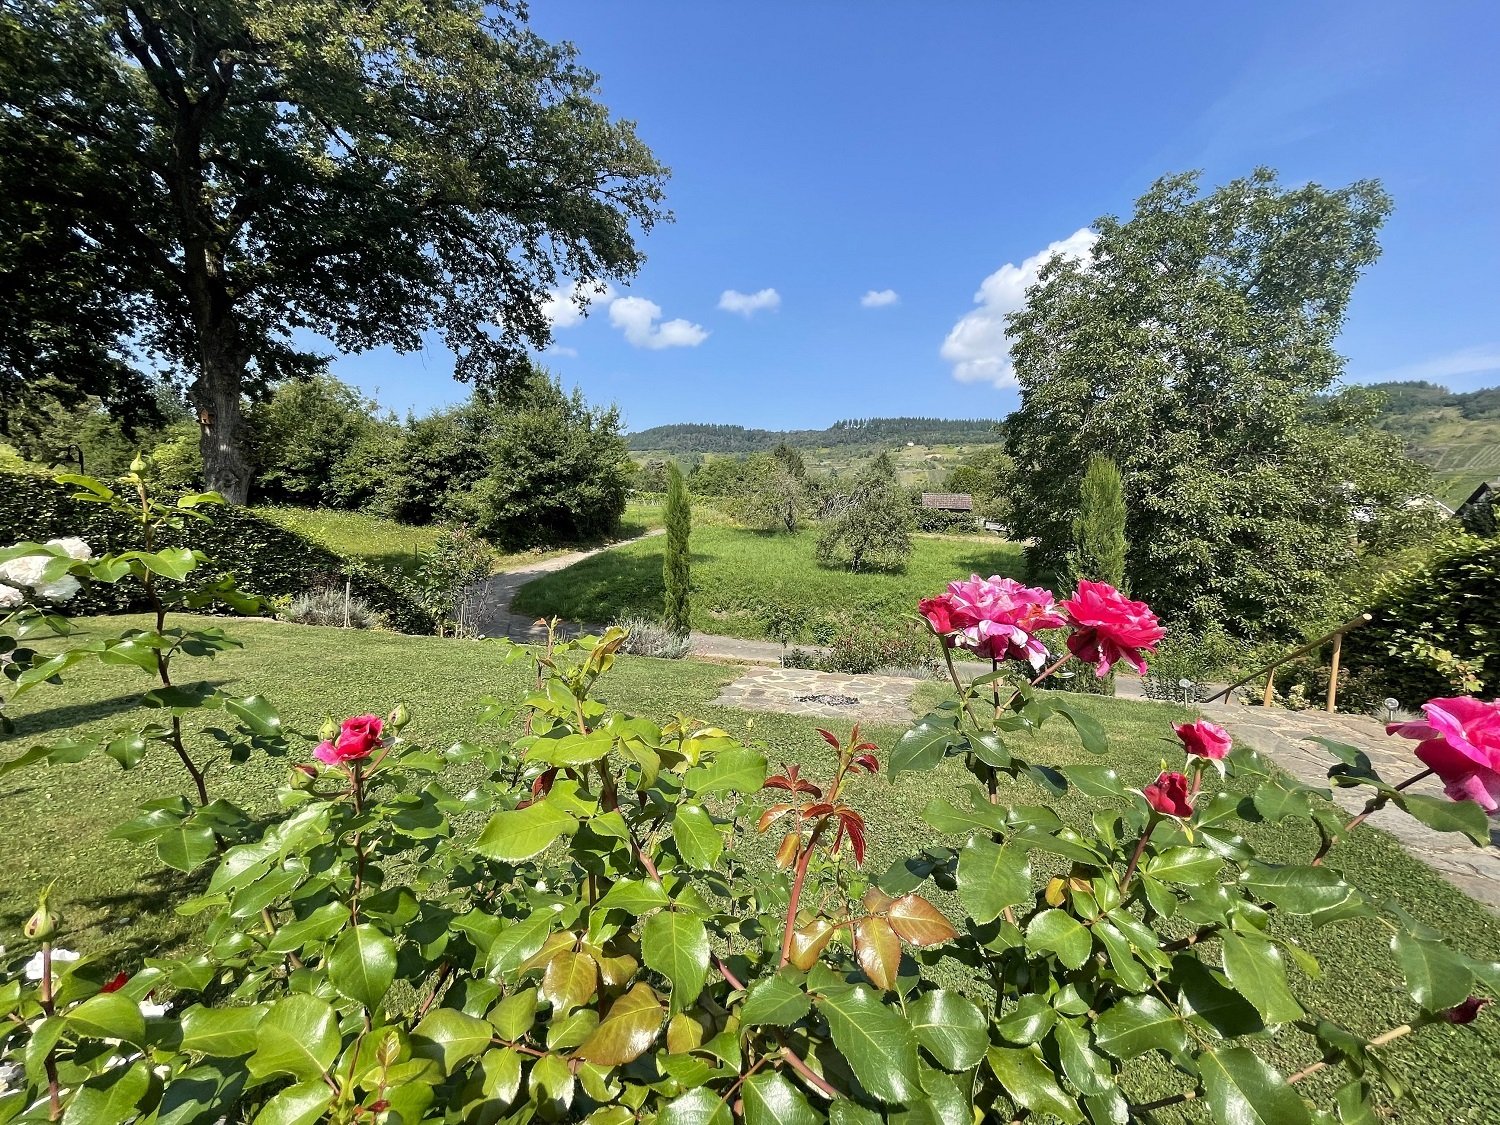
(1450, 606)
(267, 560)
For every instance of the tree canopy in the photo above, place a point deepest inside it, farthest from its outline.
(1195, 349)
(198, 186)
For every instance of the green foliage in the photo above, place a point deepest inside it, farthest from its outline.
(450, 579)
(775, 493)
(317, 443)
(554, 471)
(985, 474)
(867, 525)
(1195, 351)
(1436, 630)
(864, 643)
(269, 560)
(367, 180)
(606, 945)
(677, 558)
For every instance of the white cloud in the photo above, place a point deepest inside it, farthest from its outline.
(879, 298)
(1466, 361)
(977, 346)
(637, 318)
(562, 351)
(747, 304)
(561, 304)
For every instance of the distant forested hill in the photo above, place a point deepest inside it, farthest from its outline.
(702, 438)
(1458, 434)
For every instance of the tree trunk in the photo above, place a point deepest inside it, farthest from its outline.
(216, 395)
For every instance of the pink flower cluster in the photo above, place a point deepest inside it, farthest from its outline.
(1460, 742)
(999, 618)
(994, 617)
(357, 740)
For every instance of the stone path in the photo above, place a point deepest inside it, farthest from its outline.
(825, 695)
(1281, 736)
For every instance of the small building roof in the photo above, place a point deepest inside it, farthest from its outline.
(948, 501)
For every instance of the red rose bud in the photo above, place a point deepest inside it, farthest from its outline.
(1466, 1012)
(116, 982)
(357, 739)
(1204, 739)
(1168, 795)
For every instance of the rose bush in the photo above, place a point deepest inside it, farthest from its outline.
(592, 915)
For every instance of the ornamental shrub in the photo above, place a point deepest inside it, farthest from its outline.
(267, 559)
(1435, 630)
(652, 924)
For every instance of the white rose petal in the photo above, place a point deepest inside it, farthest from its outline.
(63, 590)
(24, 571)
(34, 966)
(153, 1011)
(73, 547)
(10, 597)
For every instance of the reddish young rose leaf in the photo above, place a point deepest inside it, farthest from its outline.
(875, 900)
(809, 941)
(878, 950)
(919, 922)
(786, 853)
(828, 737)
(770, 816)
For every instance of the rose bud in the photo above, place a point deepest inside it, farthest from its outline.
(400, 717)
(43, 923)
(1468, 1011)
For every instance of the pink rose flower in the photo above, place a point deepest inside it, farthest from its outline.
(358, 737)
(1108, 628)
(1460, 742)
(1168, 795)
(1203, 738)
(994, 617)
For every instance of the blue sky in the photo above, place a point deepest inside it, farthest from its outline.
(835, 149)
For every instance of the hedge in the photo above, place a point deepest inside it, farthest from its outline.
(1451, 605)
(267, 560)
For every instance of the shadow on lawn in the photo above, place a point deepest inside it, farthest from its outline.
(1008, 562)
(77, 714)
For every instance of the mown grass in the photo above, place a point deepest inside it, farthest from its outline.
(741, 577)
(116, 898)
(398, 546)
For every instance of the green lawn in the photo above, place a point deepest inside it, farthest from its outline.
(740, 575)
(114, 897)
(398, 546)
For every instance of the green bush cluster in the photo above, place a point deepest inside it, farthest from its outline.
(271, 561)
(1436, 631)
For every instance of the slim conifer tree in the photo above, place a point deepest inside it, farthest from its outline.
(677, 568)
(1099, 529)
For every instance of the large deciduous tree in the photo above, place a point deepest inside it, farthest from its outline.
(209, 185)
(1194, 348)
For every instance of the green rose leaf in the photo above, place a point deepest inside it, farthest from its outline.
(1243, 1090)
(697, 1107)
(1255, 969)
(772, 1100)
(1053, 931)
(779, 1000)
(514, 1016)
(518, 942)
(874, 1039)
(223, 1032)
(110, 1098)
(450, 1037)
(1190, 866)
(635, 896)
(1085, 1068)
(627, 1031)
(991, 877)
(1139, 1024)
(1094, 780)
(183, 846)
(108, 1015)
(924, 745)
(298, 1036)
(1090, 730)
(1444, 815)
(739, 771)
(699, 841)
(1316, 892)
(302, 1104)
(363, 965)
(951, 1028)
(257, 714)
(1209, 1003)
(676, 946)
(522, 833)
(1029, 1081)
(1436, 977)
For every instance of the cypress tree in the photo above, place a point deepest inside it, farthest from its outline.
(677, 567)
(1099, 529)
(1099, 546)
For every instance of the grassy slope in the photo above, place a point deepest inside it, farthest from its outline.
(115, 897)
(1463, 452)
(737, 573)
(917, 465)
(397, 546)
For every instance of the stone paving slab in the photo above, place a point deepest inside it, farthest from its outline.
(824, 695)
(1282, 737)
